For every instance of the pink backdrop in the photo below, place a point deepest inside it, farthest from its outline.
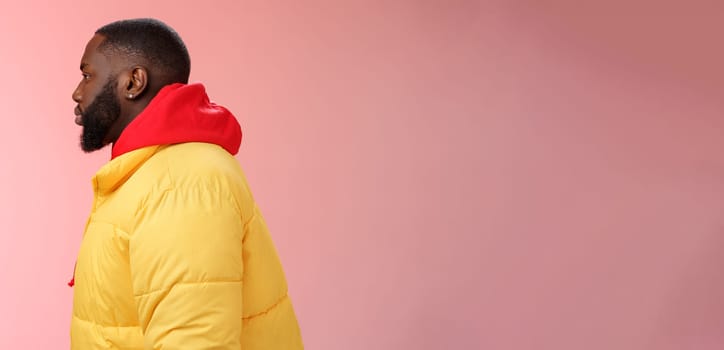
(436, 174)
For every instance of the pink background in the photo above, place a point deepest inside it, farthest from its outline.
(436, 174)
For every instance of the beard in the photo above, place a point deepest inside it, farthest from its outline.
(99, 117)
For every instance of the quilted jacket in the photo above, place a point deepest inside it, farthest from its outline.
(176, 253)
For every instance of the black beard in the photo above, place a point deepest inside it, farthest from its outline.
(99, 117)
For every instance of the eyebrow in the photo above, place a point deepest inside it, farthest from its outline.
(83, 65)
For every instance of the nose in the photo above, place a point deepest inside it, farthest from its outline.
(77, 96)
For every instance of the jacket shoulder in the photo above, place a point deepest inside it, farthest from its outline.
(197, 168)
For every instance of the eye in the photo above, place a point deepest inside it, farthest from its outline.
(86, 76)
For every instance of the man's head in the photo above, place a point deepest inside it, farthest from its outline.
(124, 66)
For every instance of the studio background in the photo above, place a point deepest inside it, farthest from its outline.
(435, 174)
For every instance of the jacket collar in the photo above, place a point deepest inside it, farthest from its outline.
(114, 173)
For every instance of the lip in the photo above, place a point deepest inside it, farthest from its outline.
(78, 116)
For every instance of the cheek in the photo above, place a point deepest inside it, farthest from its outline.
(89, 94)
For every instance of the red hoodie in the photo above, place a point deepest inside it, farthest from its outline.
(180, 113)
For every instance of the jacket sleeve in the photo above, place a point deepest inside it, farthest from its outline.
(186, 268)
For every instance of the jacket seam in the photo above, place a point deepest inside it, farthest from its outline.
(104, 325)
(245, 226)
(114, 225)
(269, 309)
(168, 289)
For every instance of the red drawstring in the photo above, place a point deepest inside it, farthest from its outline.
(72, 280)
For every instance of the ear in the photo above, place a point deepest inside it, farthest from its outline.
(136, 84)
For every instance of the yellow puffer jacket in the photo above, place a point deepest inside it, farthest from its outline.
(176, 255)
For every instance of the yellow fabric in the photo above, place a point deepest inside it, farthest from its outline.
(176, 255)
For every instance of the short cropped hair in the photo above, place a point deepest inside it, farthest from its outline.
(152, 41)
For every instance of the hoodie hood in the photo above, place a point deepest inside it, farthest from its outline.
(180, 113)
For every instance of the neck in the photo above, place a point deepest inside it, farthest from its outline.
(130, 109)
(129, 112)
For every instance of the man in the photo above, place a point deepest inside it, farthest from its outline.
(175, 254)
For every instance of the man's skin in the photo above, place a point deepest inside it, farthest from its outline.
(133, 91)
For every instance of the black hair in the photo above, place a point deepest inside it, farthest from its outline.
(152, 41)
